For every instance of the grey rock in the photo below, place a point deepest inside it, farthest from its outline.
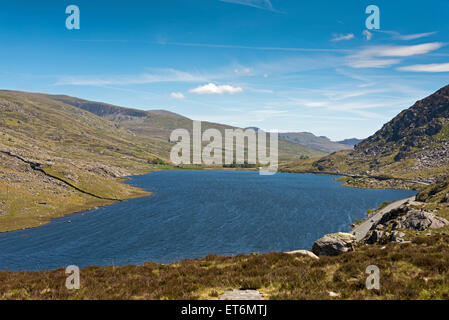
(417, 220)
(374, 236)
(304, 253)
(333, 294)
(334, 244)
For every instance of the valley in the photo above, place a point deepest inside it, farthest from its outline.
(61, 155)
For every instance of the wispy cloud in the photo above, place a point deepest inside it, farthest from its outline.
(397, 36)
(158, 75)
(371, 63)
(264, 48)
(340, 37)
(243, 71)
(434, 67)
(177, 95)
(259, 4)
(403, 51)
(386, 56)
(212, 88)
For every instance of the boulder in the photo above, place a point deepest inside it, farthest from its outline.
(334, 244)
(395, 237)
(374, 236)
(333, 294)
(304, 253)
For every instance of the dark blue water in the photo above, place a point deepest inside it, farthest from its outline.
(192, 214)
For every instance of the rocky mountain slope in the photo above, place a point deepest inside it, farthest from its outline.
(414, 145)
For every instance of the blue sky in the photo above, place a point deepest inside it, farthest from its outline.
(283, 65)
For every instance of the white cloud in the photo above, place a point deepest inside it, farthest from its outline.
(177, 95)
(340, 37)
(212, 88)
(435, 67)
(368, 35)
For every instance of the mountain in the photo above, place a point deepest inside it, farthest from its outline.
(60, 154)
(350, 142)
(158, 125)
(415, 144)
(320, 143)
(56, 158)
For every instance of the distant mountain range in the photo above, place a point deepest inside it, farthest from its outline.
(350, 142)
(320, 143)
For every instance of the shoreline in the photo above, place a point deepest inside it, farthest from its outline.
(140, 192)
(138, 195)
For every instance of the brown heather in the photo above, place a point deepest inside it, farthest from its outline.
(419, 270)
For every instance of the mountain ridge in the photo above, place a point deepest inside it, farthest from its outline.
(413, 145)
(309, 139)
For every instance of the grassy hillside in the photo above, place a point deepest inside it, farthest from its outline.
(43, 140)
(61, 154)
(159, 124)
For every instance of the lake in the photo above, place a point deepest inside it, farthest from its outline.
(192, 214)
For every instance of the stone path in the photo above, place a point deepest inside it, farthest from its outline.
(242, 295)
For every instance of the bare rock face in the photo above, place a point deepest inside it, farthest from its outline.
(374, 236)
(334, 244)
(417, 220)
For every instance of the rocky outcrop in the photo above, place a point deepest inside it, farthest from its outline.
(334, 244)
(374, 236)
(387, 229)
(422, 221)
